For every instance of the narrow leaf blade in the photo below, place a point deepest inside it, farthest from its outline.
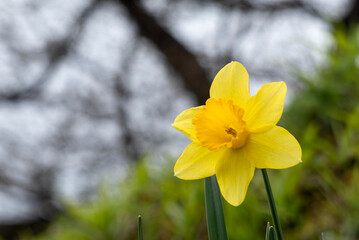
(215, 218)
(270, 232)
(267, 231)
(140, 234)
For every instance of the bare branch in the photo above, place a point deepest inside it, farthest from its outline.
(270, 6)
(56, 52)
(352, 17)
(122, 94)
(183, 61)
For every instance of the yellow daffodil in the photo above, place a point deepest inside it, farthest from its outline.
(234, 133)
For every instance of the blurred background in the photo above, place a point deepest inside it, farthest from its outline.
(89, 88)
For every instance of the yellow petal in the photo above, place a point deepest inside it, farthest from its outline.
(234, 173)
(276, 148)
(231, 82)
(183, 122)
(196, 162)
(263, 110)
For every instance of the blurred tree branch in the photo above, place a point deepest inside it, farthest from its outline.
(270, 6)
(56, 52)
(352, 16)
(41, 195)
(122, 95)
(184, 62)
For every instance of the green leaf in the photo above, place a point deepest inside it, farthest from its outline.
(270, 233)
(215, 218)
(140, 234)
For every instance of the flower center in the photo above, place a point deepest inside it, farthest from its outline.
(220, 123)
(231, 131)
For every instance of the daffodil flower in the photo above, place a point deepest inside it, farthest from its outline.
(234, 133)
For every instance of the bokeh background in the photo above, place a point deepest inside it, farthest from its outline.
(89, 88)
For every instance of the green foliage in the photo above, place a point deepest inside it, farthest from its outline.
(170, 208)
(318, 196)
(325, 119)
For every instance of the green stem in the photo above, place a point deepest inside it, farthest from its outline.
(272, 205)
